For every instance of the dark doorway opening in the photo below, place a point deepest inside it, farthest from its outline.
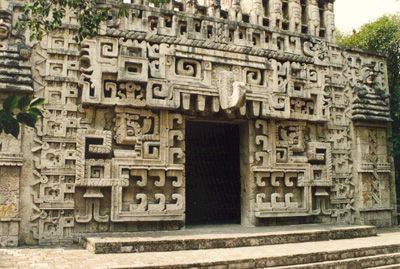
(212, 173)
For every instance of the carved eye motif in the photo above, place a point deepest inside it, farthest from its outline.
(130, 132)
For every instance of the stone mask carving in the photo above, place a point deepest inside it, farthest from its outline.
(5, 24)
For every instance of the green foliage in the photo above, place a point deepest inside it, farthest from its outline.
(383, 36)
(19, 110)
(44, 16)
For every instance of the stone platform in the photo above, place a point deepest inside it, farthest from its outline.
(221, 236)
(381, 251)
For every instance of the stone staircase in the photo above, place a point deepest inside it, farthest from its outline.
(220, 247)
(223, 236)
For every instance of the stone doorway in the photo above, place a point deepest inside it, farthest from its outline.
(212, 173)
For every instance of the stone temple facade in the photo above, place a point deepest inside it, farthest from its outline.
(110, 153)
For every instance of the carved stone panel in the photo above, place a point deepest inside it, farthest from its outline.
(283, 193)
(374, 168)
(9, 192)
(292, 169)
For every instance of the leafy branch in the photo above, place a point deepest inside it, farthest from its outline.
(18, 110)
(45, 16)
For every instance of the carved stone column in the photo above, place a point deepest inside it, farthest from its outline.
(256, 12)
(313, 18)
(235, 12)
(276, 15)
(329, 22)
(294, 16)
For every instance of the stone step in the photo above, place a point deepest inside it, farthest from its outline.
(392, 266)
(223, 236)
(376, 261)
(373, 252)
(369, 257)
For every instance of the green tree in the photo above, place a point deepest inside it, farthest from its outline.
(383, 36)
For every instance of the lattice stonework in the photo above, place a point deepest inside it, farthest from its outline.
(109, 153)
(290, 169)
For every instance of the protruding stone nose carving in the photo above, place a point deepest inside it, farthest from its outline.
(232, 93)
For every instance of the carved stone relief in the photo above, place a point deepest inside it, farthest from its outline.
(292, 171)
(374, 167)
(109, 153)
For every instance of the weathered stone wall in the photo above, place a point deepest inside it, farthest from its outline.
(109, 154)
(16, 79)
